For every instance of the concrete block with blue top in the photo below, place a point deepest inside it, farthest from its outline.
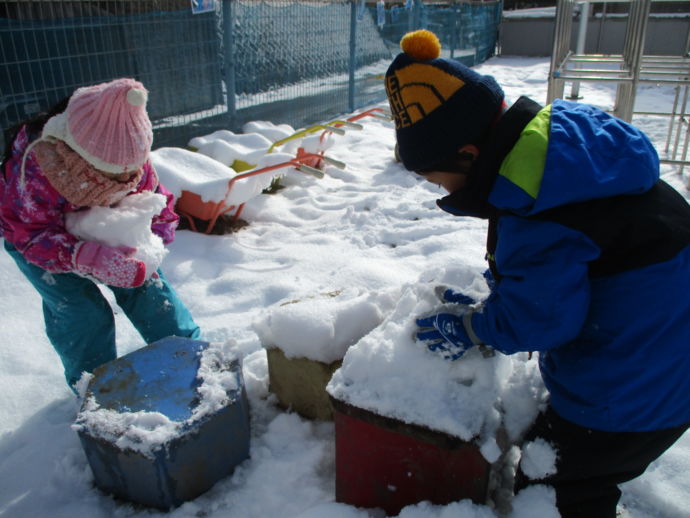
(152, 433)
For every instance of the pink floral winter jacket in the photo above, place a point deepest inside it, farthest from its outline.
(32, 218)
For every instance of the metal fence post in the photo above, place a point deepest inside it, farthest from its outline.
(454, 30)
(417, 14)
(229, 57)
(580, 46)
(353, 56)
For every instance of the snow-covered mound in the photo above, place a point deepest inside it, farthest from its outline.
(183, 170)
(226, 147)
(321, 328)
(273, 132)
(388, 372)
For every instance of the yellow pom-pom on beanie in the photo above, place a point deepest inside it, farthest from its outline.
(421, 44)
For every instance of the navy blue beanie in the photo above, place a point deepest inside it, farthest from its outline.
(439, 105)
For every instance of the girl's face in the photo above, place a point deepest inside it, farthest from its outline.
(120, 177)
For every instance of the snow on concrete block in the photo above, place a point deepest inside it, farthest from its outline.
(163, 424)
(412, 426)
(306, 339)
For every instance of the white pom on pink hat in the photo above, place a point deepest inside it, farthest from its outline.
(107, 125)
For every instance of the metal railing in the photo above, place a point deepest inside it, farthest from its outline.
(628, 70)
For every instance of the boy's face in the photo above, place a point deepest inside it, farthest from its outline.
(451, 182)
(452, 173)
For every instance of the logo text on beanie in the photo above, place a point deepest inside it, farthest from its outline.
(417, 90)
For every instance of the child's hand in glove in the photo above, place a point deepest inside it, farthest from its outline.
(446, 295)
(444, 334)
(113, 266)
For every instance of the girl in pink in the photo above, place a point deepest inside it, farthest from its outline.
(89, 151)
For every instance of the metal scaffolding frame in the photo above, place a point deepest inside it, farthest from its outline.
(628, 69)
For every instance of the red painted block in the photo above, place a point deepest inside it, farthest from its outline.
(385, 463)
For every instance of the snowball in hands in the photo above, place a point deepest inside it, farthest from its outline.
(128, 223)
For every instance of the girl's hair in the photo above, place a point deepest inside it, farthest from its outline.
(34, 125)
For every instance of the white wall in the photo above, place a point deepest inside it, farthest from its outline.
(532, 34)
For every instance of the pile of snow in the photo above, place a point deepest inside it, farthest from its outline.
(226, 146)
(538, 459)
(147, 432)
(209, 170)
(273, 132)
(391, 374)
(183, 170)
(128, 223)
(321, 328)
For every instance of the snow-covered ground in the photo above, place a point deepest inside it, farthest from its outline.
(361, 250)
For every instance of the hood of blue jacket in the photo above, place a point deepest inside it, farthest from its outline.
(573, 152)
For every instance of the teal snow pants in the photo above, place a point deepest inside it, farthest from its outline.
(80, 323)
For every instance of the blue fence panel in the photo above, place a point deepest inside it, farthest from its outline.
(43, 61)
(178, 61)
(50, 48)
(293, 61)
(468, 31)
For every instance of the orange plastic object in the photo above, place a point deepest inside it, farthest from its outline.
(310, 159)
(372, 112)
(190, 204)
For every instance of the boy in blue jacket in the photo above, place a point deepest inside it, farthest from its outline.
(590, 253)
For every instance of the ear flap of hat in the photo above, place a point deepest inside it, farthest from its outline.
(56, 127)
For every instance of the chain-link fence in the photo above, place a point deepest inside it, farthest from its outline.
(217, 64)
(468, 30)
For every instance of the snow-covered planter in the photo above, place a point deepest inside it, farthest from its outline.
(412, 426)
(305, 341)
(163, 424)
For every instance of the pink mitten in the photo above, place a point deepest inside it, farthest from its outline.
(113, 266)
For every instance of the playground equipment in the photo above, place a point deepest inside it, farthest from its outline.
(335, 127)
(628, 69)
(191, 205)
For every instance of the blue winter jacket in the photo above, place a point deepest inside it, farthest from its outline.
(592, 255)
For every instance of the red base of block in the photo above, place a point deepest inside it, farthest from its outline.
(385, 463)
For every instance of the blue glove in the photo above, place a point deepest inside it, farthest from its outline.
(444, 334)
(448, 295)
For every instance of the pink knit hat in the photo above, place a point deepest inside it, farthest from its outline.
(107, 125)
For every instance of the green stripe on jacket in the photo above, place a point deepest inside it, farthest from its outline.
(524, 165)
